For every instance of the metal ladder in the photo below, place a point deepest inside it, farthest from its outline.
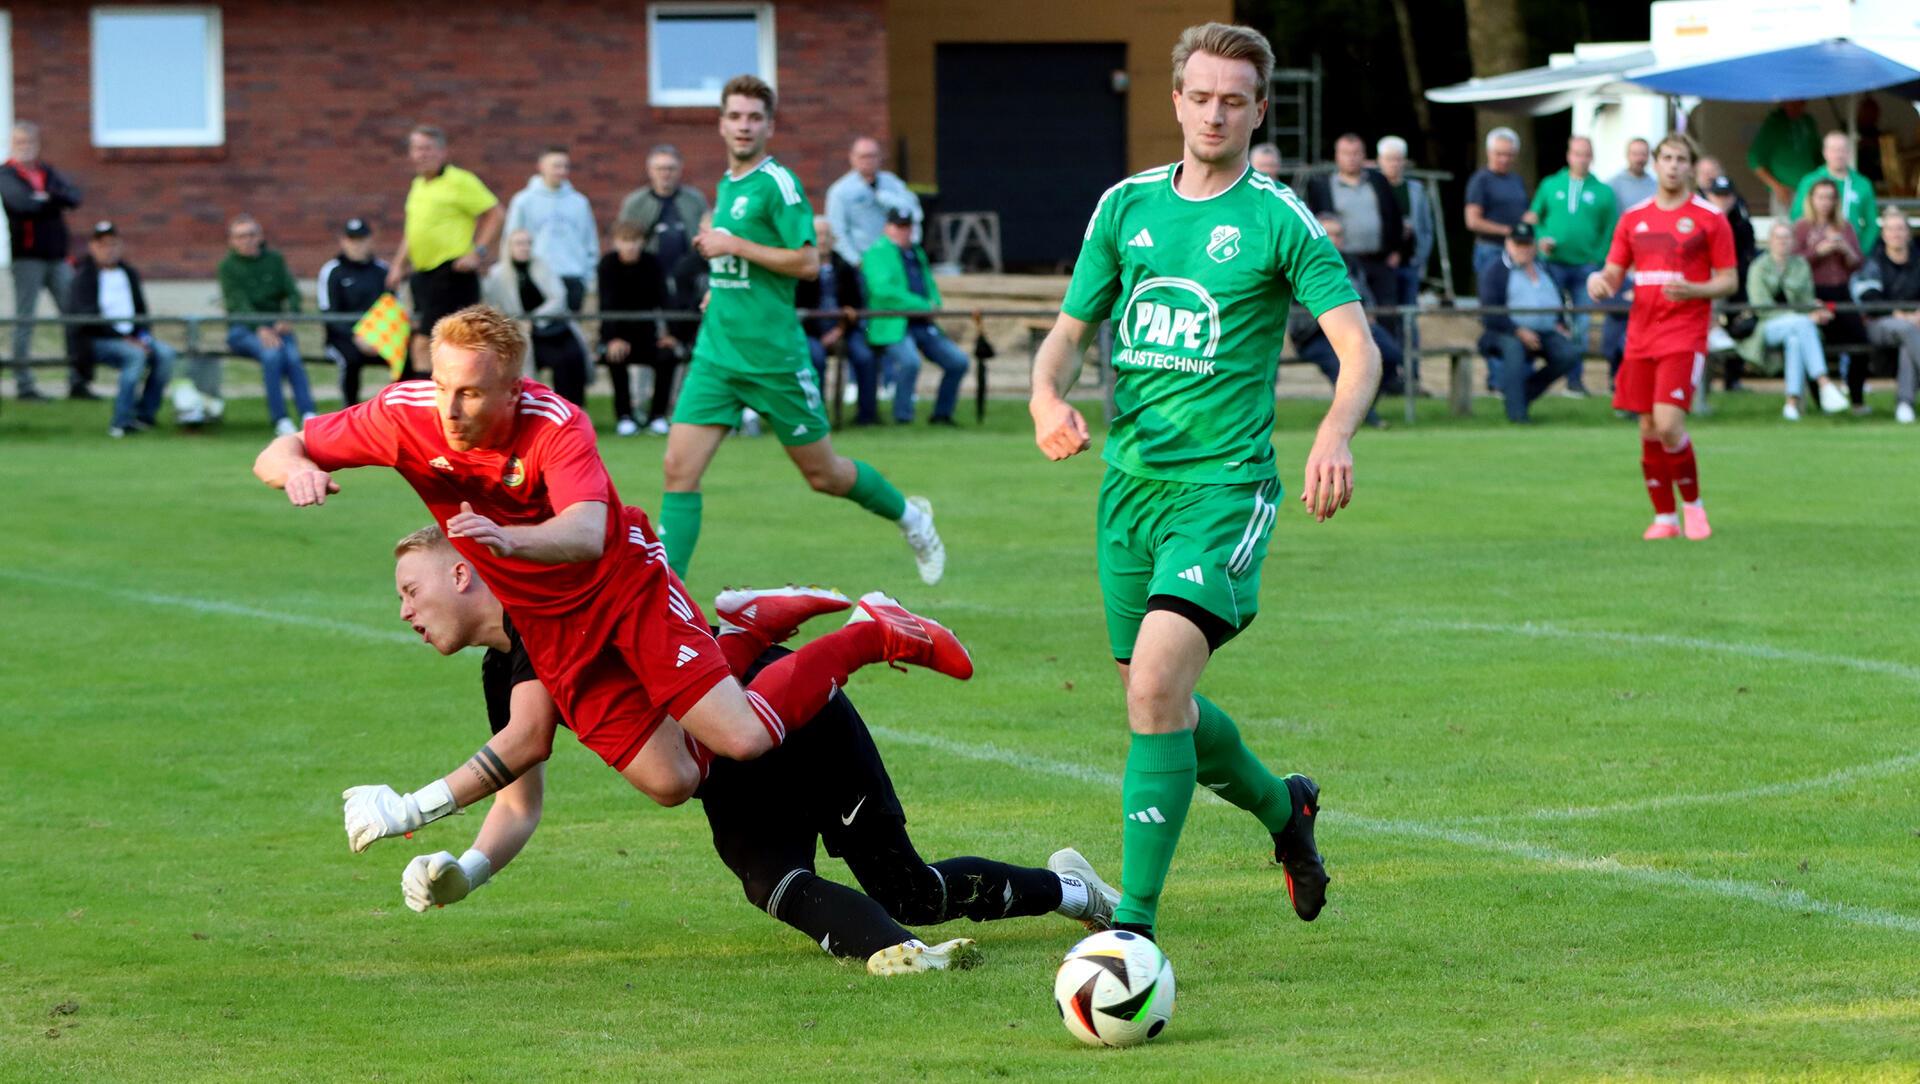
(1293, 113)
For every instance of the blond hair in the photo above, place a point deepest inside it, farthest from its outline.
(1228, 43)
(484, 330)
(430, 537)
(1684, 142)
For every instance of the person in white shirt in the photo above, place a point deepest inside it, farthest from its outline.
(106, 285)
(857, 203)
(565, 237)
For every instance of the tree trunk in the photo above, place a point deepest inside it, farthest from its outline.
(1429, 147)
(1497, 42)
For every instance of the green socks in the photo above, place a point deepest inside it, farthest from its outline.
(1228, 768)
(679, 529)
(1155, 796)
(873, 492)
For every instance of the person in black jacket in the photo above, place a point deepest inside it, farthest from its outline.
(37, 197)
(1366, 205)
(1892, 275)
(630, 280)
(104, 285)
(1720, 192)
(839, 287)
(348, 286)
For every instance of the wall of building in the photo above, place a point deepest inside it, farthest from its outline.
(319, 97)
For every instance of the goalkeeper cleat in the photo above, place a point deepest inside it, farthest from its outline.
(776, 613)
(1069, 864)
(909, 638)
(1293, 848)
(912, 957)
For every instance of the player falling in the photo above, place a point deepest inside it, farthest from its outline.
(1197, 264)
(1681, 251)
(752, 352)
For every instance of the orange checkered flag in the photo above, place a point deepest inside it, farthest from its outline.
(386, 328)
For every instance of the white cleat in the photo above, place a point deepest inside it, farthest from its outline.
(912, 957)
(1832, 399)
(1101, 897)
(1903, 413)
(929, 553)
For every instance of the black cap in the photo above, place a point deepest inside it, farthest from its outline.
(104, 228)
(898, 217)
(1720, 186)
(356, 227)
(1522, 233)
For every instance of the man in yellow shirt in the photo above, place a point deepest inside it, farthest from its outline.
(452, 221)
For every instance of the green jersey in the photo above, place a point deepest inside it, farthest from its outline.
(1199, 291)
(750, 324)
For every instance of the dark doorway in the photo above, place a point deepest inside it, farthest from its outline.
(1034, 132)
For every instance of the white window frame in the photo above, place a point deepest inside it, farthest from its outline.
(213, 135)
(680, 96)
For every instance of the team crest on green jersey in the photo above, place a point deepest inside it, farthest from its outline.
(1224, 244)
(740, 207)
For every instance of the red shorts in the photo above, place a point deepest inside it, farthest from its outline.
(617, 673)
(1669, 379)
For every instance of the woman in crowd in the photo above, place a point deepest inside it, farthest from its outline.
(1832, 250)
(524, 288)
(1782, 277)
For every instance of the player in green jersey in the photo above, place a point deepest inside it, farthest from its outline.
(1197, 264)
(752, 351)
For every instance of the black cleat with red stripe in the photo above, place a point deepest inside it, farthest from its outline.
(1293, 848)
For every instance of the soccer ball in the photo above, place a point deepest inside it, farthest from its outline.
(1114, 989)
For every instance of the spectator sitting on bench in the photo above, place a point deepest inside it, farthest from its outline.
(254, 278)
(898, 277)
(1518, 281)
(105, 285)
(1832, 249)
(1311, 343)
(348, 286)
(1782, 277)
(1892, 274)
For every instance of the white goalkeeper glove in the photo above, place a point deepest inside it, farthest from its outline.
(377, 812)
(435, 880)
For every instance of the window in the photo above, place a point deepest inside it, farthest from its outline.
(157, 77)
(693, 49)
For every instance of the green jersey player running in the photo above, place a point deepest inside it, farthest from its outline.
(1197, 264)
(751, 351)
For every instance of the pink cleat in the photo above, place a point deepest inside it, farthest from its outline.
(1696, 517)
(914, 639)
(776, 613)
(1661, 530)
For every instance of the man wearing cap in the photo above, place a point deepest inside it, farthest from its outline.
(348, 286)
(452, 222)
(1513, 342)
(899, 277)
(104, 285)
(1572, 214)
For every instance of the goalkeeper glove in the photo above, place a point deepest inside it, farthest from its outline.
(377, 812)
(439, 879)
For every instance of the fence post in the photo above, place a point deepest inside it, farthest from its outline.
(1410, 355)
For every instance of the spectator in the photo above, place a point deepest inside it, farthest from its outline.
(1266, 159)
(525, 288)
(898, 277)
(1311, 344)
(838, 287)
(255, 279)
(561, 222)
(862, 201)
(1857, 203)
(1573, 215)
(1782, 278)
(630, 280)
(1518, 281)
(1891, 274)
(1416, 245)
(1496, 200)
(37, 197)
(347, 287)
(1786, 148)
(1634, 183)
(1829, 245)
(1719, 191)
(105, 285)
(452, 220)
(1371, 217)
(668, 214)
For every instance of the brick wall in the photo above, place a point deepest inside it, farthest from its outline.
(319, 97)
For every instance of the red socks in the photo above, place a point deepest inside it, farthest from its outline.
(1655, 464)
(1684, 472)
(792, 691)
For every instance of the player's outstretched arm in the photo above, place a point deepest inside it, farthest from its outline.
(577, 532)
(1605, 283)
(1329, 476)
(283, 464)
(1058, 428)
(435, 880)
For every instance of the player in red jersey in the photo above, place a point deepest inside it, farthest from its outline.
(511, 471)
(1681, 252)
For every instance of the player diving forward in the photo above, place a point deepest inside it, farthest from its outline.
(1681, 251)
(827, 783)
(1197, 264)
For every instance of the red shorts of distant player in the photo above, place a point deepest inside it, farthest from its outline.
(1669, 379)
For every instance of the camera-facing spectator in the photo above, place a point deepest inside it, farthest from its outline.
(106, 285)
(668, 214)
(861, 202)
(452, 220)
(839, 287)
(346, 288)
(1783, 277)
(1830, 247)
(1265, 159)
(1369, 213)
(1634, 183)
(1892, 274)
(561, 222)
(1573, 216)
(1516, 341)
(1496, 200)
(1785, 149)
(525, 288)
(37, 198)
(1857, 203)
(1416, 244)
(898, 277)
(631, 280)
(255, 279)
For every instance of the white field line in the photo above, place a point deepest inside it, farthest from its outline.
(217, 607)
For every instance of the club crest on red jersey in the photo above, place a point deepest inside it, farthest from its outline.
(515, 473)
(1685, 225)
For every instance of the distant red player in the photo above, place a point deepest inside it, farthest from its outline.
(512, 472)
(1681, 252)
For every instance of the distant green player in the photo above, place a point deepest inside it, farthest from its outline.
(1196, 264)
(752, 352)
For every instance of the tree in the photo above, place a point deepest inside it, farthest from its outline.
(1497, 43)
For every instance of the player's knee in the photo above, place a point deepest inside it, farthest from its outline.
(823, 477)
(680, 473)
(670, 785)
(740, 743)
(1155, 701)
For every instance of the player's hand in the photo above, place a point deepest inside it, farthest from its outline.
(378, 812)
(434, 880)
(1329, 480)
(1598, 287)
(1680, 291)
(1058, 428)
(310, 487)
(711, 242)
(473, 525)
(618, 350)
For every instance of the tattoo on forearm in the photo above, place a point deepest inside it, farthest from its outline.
(487, 766)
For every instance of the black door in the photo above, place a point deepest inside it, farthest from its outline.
(1034, 132)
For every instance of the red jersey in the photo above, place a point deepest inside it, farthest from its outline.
(551, 463)
(1657, 247)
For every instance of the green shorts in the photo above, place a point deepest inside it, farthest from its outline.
(788, 403)
(1200, 544)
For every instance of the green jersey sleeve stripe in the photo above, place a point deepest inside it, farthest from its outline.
(1286, 196)
(789, 188)
(1158, 173)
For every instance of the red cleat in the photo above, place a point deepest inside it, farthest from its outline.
(910, 638)
(1661, 530)
(776, 613)
(1696, 520)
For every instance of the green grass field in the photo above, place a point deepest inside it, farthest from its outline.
(1595, 808)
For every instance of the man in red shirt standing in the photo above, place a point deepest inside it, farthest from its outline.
(1681, 251)
(511, 471)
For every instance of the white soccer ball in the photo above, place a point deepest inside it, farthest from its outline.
(1114, 989)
